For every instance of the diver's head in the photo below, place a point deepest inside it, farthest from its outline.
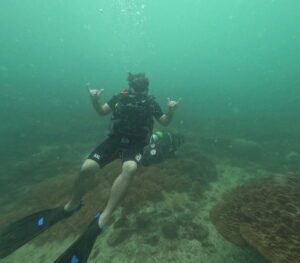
(138, 83)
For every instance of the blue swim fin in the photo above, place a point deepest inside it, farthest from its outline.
(80, 250)
(22, 231)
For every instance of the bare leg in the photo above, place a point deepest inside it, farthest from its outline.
(83, 183)
(118, 191)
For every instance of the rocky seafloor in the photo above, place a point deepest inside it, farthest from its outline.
(165, 216)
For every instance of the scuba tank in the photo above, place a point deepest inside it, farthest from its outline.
(162, 145)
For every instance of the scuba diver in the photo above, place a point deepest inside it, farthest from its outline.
(131, 139)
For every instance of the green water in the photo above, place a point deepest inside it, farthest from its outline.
(229, 61)
(234, 63)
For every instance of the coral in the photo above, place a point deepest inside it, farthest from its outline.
(196, 166)
(152, 239)
(192, 230)
(170, 230)
(264, 214)
(227, 218)
(121, 222)
(147, 186)
(118, 236)
(196, 232)
(190, 172)
(144, 221)
(53, 192)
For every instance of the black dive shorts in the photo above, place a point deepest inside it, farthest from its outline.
(115, 146)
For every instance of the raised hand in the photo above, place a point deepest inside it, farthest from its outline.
(94, 93)
(172, 104)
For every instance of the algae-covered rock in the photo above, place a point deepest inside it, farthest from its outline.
(170, 230)
(118, 236)
(143, 221)
(196, 232)
(264, 214)
(121, 222)
(152, 240)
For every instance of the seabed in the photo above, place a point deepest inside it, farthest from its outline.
(164, 218)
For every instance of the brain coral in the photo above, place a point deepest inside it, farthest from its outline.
(264, 214)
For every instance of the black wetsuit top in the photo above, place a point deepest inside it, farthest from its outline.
(133, 114)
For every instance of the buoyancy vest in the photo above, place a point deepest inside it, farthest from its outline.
(133, 115)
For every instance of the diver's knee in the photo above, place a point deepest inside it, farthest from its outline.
(89, 167)
(129, 167)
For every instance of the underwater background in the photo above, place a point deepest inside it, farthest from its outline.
(235, 64)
